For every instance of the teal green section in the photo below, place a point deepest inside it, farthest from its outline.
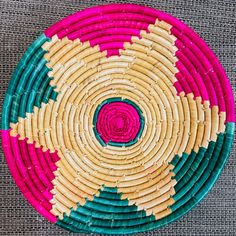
(120, 144)
(106, 212)
(29, 85)
(200, 170)
(195, 175)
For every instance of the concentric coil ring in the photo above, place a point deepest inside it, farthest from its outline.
(118, 119)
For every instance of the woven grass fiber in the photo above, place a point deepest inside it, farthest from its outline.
(135, 111)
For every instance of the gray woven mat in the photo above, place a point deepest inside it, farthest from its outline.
(22, 21)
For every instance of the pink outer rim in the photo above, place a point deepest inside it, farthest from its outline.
(226, 91)
(14, 165)
(7, 140)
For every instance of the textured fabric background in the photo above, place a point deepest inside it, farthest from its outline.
(215, 20)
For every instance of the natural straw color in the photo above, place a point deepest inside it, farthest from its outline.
(127, 121)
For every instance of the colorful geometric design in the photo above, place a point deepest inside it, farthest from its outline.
(118, 215)
(118, 119)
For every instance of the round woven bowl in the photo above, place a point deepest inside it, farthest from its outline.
(118, 119)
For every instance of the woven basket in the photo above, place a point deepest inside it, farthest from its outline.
(118, 119)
